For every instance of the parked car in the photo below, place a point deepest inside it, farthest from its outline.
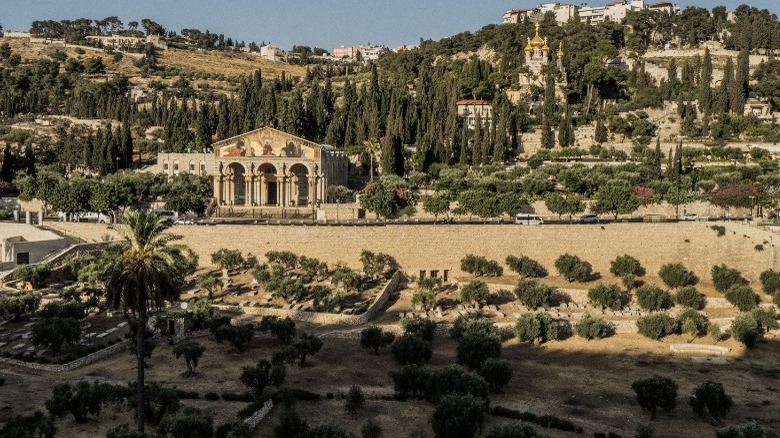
(183, 220)
(690, 217)
(528, 219)
(165, 213)
(588, 219)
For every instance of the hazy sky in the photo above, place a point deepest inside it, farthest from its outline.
(321, 23)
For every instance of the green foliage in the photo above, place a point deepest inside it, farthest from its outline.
(284, 258)
(676, 275)
(53, 332)
(227, 259)
(192, 351)
(656, 392)
(689, 296)
(606, 296)
(651, 297)
(720, 229)
(538, 327)
(354, 401)
(657, 325)
(36, 274)
(569, 205)
(745, 329)
(14, 306)
(474, 348)
(376, 265)
(313, 268)
(236, 335)
(749, 430)
(572, 268)
(615, 198)
(711, 396)
(374, 338)
(475, 292)
(526, 266)
(411, 349)
(589, 328)
(479, 266)
(693, 322)
(348, 279)
(465, 324)
(381, 198)
(766, 317)
(436, 205)
(458, 416)
(533, 294)
(743, 297)
(371, 429)
(307, 345)
(624, 265)
(724, 278)
(644, 430)
(35, 425)
(282, 329)
(770, 281)
(425, 299)
(256, 378)
(496, 372)
(82, 400)
(424, 328)
(290, 425)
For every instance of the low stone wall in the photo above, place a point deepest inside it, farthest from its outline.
(78, 249)
(713, 350)
(259, 415)
(86, 360)
(321, 317)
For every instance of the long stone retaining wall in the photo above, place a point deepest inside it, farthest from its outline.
(80, 362)
(259, 415)
(321, 317)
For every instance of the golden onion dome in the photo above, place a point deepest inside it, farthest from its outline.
(536, 41)
(560, 50)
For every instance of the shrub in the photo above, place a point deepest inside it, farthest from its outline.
(475, 292)
(759, 247)
(411, 380)
(743, 297)
(211, 396)
(533, 294)
(424, 328)
(770, 281)
(712, 397)
(465, 324)
(745, 329)
(720, 229)
(411, 349)
(455, 380)
(625, 265)
(606, 296)
(515, 429)
(766, 317)
(475, 348)
(656, 326)
(496, 372)
(538, 327)
(227, 259)
(374, 338)
(589, 328)
(526, 266)
(479, 266)
(676, 275)
(724, 278)
(651, 297)
(692, 322)
(750, 430)
(458, 416)
(572, 268)
(656, 392)
(689, 296)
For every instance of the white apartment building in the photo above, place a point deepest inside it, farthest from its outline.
(615, 11)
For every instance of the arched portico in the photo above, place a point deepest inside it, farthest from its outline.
(299, 186)
(235, 187)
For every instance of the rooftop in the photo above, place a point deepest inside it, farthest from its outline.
(28, 233)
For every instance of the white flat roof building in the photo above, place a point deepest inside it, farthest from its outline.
(23, 244)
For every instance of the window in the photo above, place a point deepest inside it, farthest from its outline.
(202, 168)
(422, 274)
(434, 274)
(192, 167)
(23, 258)
(165, 166)
(446, 275)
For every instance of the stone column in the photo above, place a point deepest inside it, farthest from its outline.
(218, 189)
(280, 180)
(248, 190)
(262, 189)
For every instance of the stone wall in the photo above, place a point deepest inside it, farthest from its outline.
(321, 317)
(426, 247)
(259, 415)
(86, 360)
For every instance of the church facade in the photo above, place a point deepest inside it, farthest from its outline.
(265, 168)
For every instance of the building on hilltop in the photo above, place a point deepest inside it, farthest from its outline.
(471, 109)
(122, 42)
(615, 11)
(264, 168)
(537, 56)
(272, 53)
(365, 52)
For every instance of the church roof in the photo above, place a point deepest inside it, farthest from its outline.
(537, 42)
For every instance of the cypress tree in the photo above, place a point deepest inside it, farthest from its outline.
(726, 87)
(705, 83)
(601, 135)
(740, 87)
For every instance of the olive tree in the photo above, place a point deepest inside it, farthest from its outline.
(656, 392)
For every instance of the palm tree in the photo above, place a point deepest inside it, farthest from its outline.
(149, 273)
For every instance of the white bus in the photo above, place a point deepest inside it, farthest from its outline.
(528, 219)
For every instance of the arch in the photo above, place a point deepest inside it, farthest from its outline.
(236, 185)
(175, 167)
(192, 167)
(299, 184)
(266, 187)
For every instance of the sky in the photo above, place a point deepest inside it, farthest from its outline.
(315, 23)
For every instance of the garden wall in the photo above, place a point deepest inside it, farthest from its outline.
(80, 362)
(321, 317)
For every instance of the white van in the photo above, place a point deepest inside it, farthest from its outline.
(528, 219)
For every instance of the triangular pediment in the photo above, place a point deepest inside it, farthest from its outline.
(267, 142)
